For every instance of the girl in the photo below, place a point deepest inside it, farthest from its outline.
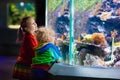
(46, 54)
(26, 34)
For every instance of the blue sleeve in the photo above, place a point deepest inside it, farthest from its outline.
(55, 54)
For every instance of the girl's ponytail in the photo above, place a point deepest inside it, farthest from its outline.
(20, 35)
(21, 30)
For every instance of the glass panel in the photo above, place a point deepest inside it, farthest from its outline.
(96, 31)
(58, 19)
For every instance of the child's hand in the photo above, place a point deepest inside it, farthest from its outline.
(58, 61)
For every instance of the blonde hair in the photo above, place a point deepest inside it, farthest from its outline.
(44, 35)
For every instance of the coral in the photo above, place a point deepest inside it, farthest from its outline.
(99, 39)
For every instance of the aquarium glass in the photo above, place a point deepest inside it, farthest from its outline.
(96, 31)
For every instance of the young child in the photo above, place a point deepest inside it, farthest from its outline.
(46, 54)
(26, 34)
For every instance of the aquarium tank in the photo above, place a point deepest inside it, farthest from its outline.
(95, 29)
(16, 11)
